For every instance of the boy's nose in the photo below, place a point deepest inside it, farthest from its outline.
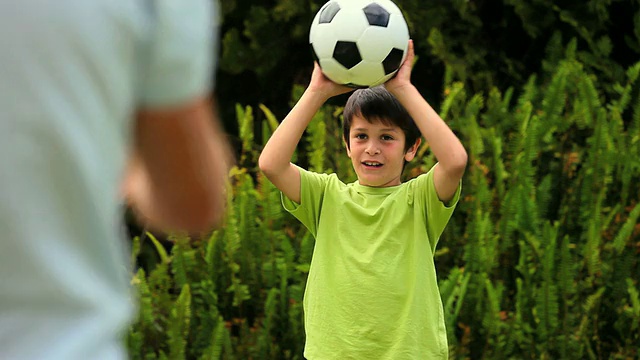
(372, 149)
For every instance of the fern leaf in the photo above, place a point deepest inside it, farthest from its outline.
(271, 119)
(135, 251)
(214, 352)
(547, 299)
(178, 329)
(145, 298)
(633, 72)
(620, 241)
(245, 126)
(566, 270)
(492, 317)
(164, 258)
(500, 173)
(634, 309)
(455, 93)
(555, 97)
(588, 308)
(265, 342)
(180, 264)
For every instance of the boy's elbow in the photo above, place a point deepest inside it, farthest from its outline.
(458, 163)
(462, 159)
(262, 162)
(266, 165)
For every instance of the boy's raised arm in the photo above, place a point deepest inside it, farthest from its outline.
(275, 159)
(451, 155)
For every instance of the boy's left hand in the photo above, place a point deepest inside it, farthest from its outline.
(403, 76)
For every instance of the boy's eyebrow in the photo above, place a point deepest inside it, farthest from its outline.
(383, 130)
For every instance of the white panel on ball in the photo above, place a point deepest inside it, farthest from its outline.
(385, 78)
(324, 45)
(376, 41)
(348, 24)
(334, 71)
(399, 31)
(366, 72)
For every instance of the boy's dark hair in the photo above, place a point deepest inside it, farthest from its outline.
(377, 104)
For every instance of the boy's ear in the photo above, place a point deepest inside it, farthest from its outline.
(344, 142)
(411, 153)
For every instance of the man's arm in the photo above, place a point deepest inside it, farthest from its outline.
(451, 155)
(177, 174)
(275, 159)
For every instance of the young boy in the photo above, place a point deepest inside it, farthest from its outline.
(372, 289)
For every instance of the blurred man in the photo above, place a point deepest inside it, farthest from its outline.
(82, 85)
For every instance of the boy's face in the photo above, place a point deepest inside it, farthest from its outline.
(377, 152)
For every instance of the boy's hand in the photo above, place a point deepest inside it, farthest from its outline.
(403, 76)
(321, 85)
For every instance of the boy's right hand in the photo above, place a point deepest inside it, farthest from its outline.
(321, 85)
(275, 159)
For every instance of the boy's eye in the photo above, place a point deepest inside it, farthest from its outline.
(361, 136)
(386, 137)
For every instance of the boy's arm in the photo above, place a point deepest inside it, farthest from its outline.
(451, 155)
(276, 156)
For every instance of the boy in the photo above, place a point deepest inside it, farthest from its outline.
(372, 289)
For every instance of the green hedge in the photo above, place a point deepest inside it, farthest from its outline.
(264, 44)
(540, 260)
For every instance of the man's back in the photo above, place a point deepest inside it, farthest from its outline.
(70, 81)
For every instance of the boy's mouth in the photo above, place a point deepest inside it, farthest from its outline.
(371, 164)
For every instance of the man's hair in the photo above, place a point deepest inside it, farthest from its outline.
(377, 104)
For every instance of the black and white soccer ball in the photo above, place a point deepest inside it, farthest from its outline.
(359, 43)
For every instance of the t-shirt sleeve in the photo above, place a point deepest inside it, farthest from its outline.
(179, 57)
(437, 213)
(312, 191)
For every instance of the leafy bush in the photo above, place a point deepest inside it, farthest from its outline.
(484, 44)
(540, 260)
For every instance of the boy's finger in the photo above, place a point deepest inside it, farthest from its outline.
(410, 50)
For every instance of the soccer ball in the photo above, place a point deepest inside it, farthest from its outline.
(359, 43)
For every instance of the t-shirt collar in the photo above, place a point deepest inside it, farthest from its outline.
(374, 190)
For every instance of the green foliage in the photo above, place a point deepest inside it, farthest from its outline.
(538, 262)
(483, 44)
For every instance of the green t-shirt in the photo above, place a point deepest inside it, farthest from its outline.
(372, 291)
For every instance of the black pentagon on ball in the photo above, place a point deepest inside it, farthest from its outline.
(376, 15)
(314, 55)
(347, 54)
(392, 62)
(329, 12)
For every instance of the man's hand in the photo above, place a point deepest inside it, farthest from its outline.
(179, 167)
